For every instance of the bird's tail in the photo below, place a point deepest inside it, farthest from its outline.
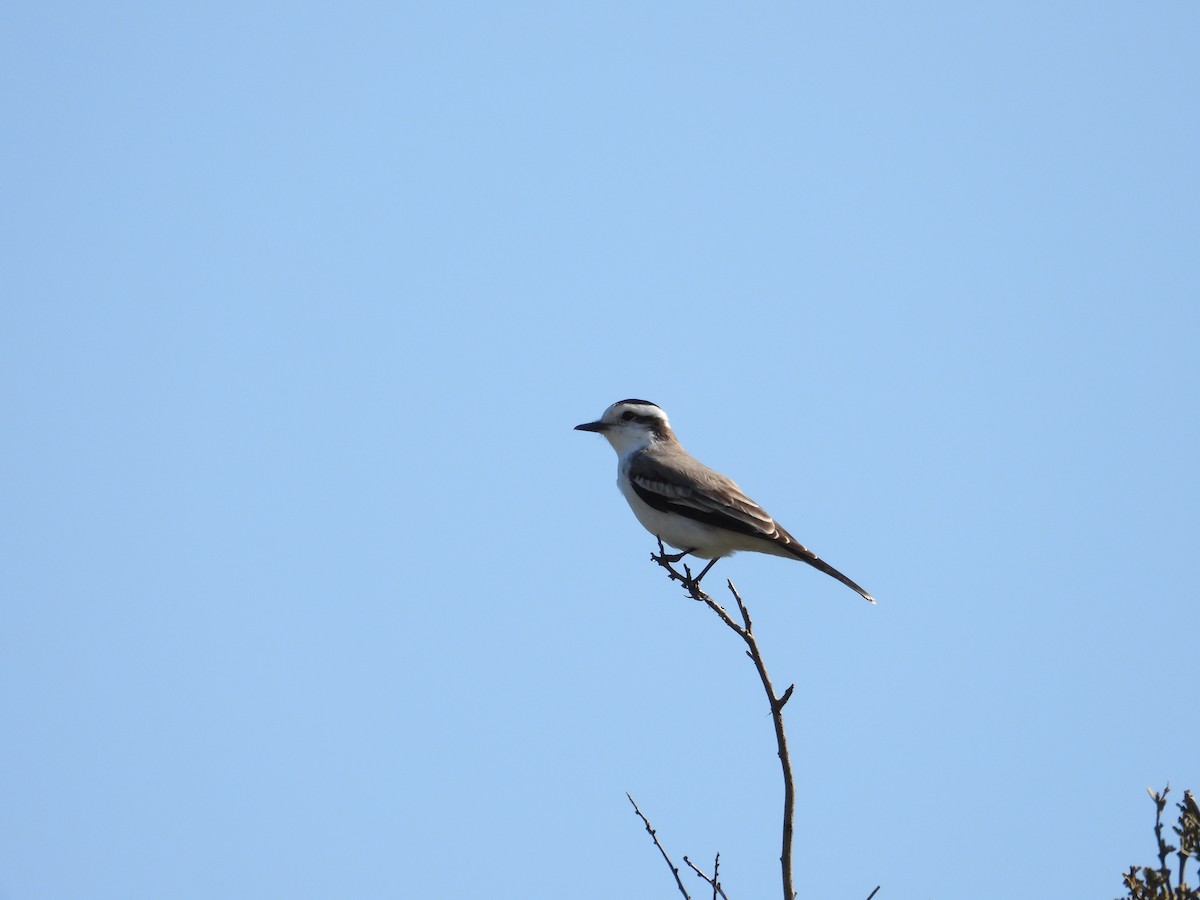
(802, 553)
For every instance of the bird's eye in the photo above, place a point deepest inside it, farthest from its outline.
(627, 415)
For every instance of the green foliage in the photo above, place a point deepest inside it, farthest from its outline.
(1154, 882)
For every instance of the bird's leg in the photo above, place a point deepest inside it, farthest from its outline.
(712, 562)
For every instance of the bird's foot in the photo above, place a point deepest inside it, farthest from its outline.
(674, 557)
(690, 583)
(665, 557)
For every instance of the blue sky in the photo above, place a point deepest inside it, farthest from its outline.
(311, 591)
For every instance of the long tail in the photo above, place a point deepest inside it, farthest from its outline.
(803, 554)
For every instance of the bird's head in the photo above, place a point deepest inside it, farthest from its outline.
(631, 425)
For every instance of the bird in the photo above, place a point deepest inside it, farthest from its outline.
(683, 502)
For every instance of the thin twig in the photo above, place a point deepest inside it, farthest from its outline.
(874, 892)
(716, 885)
(654, 835)
(746, 633)
(785, 760)
(1160, 803)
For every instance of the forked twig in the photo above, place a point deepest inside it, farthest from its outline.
(713, 882)
(654, 835)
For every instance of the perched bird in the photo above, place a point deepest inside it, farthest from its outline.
(683, 502)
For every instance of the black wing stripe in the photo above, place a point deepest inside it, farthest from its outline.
(708, 516)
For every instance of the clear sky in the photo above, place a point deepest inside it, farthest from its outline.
(308, 588)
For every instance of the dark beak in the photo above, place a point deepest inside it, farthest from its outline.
(592, 426)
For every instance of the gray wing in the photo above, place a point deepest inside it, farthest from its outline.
(690, 488)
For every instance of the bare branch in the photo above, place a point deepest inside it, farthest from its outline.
(654, 835)
(874, 892)
(716, 885)
(746, 632)
(692, 587)
(785, 760)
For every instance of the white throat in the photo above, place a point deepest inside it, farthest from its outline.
(627, 440)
